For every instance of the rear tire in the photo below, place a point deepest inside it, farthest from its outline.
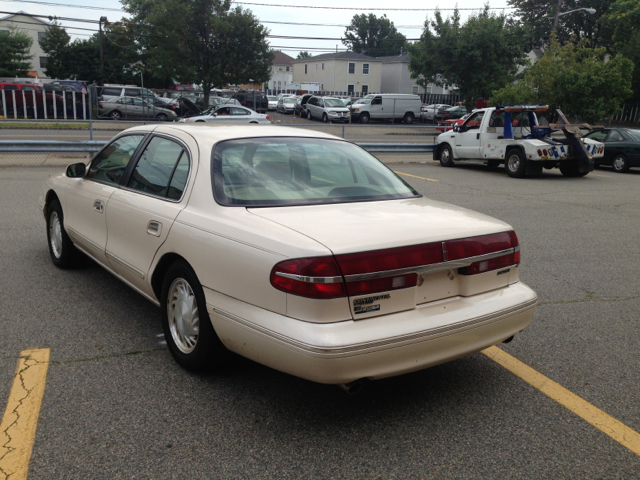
(446, 156)
(115, 115)
(188, 331)
(620, 164)
(515, 163)
(408, 118)
(63, 252)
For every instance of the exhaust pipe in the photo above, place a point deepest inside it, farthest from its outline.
(351, 388)
(509, 340)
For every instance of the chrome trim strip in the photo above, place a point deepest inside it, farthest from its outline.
(434, 332)
(84, 239)
(434, 267)
(126, 265)
(302, 278)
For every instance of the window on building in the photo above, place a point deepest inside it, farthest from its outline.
(279, 83)
(365, 69)
(350, 89)
(446, 87)
(279, 69)
(365, 89)
(305, 69)
(428, 90)
(323, 66)
(43, 62)
(287, 69)
(352, 67)
(41, 36)
(416, 89)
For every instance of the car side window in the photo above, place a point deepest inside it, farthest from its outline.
(155, 171)
(376, 101)
(239, 111)
(497, 119)
(615, 136)
(132, 92)
(109, 165)
(138, 102)
(474, 120)
(599, 135)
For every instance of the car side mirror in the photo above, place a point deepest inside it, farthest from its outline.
(456, 128)
(76, 170)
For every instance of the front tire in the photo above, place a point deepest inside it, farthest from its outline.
(191, 339)
(364, 118)
(620, 164)
(446, 156)
(63, 252)
(162, 117)
(515, 164)
(325, 118)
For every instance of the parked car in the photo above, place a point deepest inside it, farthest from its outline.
(327, 109)
(386, 106)
(273, 102)
(135, 108)
(109, 92)
(286, 104)
(30, 100)
(254, 100)
(450, 113)
(293, 248)
(300, 107)
(447, 125)
(229, 114)
(428, 112)
(74, 85)
(621, 147)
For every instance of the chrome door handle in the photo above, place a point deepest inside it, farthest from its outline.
(154, 228)
(98, 206)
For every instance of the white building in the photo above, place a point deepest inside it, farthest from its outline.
(34, 28)
(281, 71)
(396, 78)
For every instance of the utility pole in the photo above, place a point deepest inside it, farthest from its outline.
(102, 20)
(555, 22)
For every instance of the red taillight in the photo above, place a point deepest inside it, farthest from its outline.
(545, 152)
(317, 277)
(485, 245)
(539, 153)
(100, 105)
(267, 117)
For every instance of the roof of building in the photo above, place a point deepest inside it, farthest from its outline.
(281, 58)
(10, 16)
(394, 59)
(338, 56)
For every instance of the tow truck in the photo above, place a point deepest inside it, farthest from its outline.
(511, 134)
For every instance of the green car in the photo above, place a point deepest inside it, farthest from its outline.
(621, 147)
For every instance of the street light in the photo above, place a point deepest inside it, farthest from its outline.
(590, 11)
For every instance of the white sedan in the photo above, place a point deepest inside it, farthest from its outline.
(229, 114)
(293, 248)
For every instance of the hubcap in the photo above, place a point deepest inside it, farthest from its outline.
(514, 163)
(55, 234)
(618, 163)
(445, 155)
(184, 318)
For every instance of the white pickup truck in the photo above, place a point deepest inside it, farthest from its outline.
(510, 134)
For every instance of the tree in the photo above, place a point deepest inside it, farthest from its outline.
(202, 41)
(55, 43)
(303, 54)
(14, 54)
(538, 17)
(575, 78)
(370, 35)
(477, 57)
(623, 20)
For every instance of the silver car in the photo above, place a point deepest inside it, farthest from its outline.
(286, 105)
(232, 114)
(135, 108)
(327, 109)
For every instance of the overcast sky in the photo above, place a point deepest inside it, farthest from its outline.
(408, 22)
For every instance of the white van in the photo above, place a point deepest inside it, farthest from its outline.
(385, 106)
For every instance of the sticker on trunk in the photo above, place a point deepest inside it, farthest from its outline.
(366, 308)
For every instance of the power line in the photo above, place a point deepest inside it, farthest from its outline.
(369, 9)
(66, 5)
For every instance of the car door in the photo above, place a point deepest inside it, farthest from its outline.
(87, 197)
(468, 142)
(613, 145)
(240, 115)
(141, 213)
(376, 109)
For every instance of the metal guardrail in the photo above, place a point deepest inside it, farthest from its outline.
(54, 146)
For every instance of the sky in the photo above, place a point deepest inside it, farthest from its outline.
(408, 22)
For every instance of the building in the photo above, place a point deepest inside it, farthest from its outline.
(396, 78)
(340, 72)
(281, 71)
(33, 27)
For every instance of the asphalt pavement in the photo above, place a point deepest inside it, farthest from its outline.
(116, 405)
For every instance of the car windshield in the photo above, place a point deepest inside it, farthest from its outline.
(363, 100)
(272, 98)
(332, 102)
(289, 100)
(634, 134)
(283, 171)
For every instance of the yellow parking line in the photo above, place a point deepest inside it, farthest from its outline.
(18, 427)
(616, 430)
(415, 176)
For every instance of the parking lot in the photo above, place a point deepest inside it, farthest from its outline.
(116, 405)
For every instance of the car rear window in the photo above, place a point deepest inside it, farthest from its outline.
(111, 91)
(300, 171)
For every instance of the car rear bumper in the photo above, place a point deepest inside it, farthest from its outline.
(376, 347)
